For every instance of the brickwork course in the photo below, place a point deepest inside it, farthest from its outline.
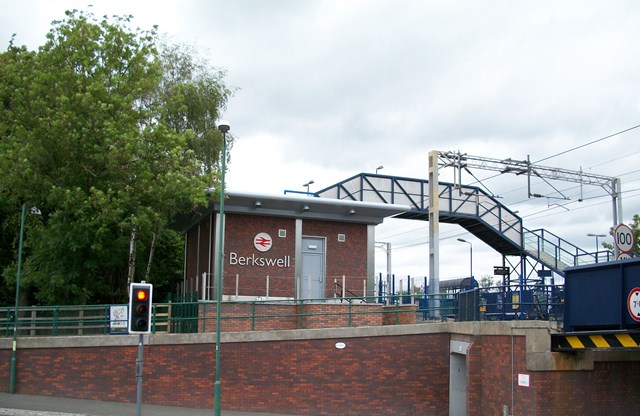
(383, 370)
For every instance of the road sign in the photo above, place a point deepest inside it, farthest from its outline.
(623, 237)
(623, 256)
(633, 303)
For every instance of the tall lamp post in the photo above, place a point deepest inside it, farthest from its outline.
(462, 240)
(12, 376)
(307, 185)
(224, 128)
(596, 236)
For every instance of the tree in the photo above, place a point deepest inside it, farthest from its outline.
(108, 141)
(486, 281)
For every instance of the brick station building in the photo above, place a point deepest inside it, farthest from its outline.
(284, 247)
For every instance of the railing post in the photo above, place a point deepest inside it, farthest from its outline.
(344, 287)
(237, 285)
(204, 315)
(55, 321)
(301, 314)
(253, 315)
(267, 286)
(81, 323)
(34, 316)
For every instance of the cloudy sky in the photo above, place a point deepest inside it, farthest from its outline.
(330, 88)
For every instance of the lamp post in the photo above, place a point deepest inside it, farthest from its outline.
(378, 168)
(224, 127)
(307, 185)
(12, 376)
(596, 236)
(462, 240)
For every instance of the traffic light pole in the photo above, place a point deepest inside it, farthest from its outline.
(139, 375)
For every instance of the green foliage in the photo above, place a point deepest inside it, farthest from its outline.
(102, 135)
(486, 281)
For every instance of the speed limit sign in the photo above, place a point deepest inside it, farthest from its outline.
(623, 237)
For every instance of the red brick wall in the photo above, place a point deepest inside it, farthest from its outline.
(191, 265)
(399, 315)
(261, 316)
(207, 244)
(371, 376)
(385, 375)
(348, 258)
(238, 317)
(610, 389)
(239, 234)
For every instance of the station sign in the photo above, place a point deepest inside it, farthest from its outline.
(262, 242)
(501, 270)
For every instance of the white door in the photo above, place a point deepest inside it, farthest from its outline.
(312, 272)
(457, 385)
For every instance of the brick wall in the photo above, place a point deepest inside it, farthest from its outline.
(265, 316)
(610, 388)
(239, 234)
(348, 258)
(250, 317)
(381, 375)
(398, 370)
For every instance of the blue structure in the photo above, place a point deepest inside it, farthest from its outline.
(603, 296)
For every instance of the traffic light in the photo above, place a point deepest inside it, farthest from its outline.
(140, 297)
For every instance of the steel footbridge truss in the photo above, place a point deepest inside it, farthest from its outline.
(477, 212)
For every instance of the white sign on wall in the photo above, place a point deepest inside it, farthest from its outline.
(523, 380)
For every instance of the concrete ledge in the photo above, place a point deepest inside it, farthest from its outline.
(539, 356)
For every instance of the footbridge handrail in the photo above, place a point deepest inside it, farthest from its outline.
(468, 206)
(471, 207)
(557, 253)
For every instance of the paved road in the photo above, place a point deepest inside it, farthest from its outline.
(28, 405)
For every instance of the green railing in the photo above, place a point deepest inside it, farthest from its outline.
(540, 303)
(74, 320)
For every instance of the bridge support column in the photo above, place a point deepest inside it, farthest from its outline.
(434, 234)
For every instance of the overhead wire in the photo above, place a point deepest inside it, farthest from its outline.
(587, 144)
(545, 211)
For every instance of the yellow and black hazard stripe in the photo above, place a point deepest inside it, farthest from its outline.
(591, 341)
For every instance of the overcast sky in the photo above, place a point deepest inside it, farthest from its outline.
(329, 89)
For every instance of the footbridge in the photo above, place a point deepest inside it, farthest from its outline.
(470, 207)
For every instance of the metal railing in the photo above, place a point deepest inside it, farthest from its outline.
(557, 253)
(497, 303)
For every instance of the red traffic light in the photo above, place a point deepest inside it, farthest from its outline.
(142, 295)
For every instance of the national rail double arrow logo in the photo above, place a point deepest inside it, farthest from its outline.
(262, 242)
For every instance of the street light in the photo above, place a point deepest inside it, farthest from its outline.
(378, 168)
(596, 236)
(224, 128)
(307, 185)
(12, 376)
(462, 240)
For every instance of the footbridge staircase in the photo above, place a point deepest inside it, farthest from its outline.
(470, 207)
